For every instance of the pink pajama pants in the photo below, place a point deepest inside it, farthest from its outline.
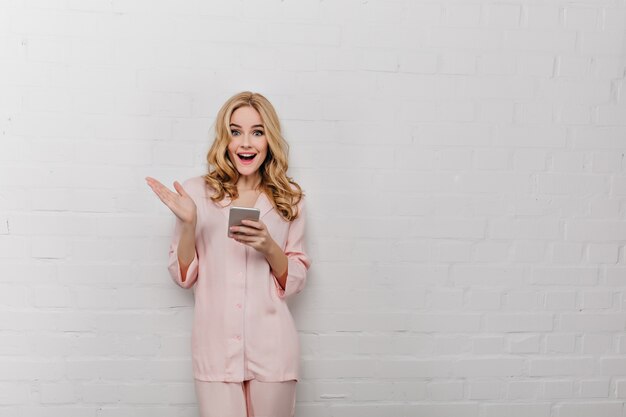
(246, 399)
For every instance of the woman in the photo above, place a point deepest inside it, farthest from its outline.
(245, 347)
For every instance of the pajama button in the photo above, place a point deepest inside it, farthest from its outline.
(238, 305)
(238, 337)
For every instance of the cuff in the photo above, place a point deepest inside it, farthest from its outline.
(174, 268)
(296, 278)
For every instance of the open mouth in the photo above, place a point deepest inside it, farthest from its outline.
(246, 158)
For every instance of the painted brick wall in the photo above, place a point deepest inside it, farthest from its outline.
(464, 162)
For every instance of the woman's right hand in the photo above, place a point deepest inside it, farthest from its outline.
(181, 204)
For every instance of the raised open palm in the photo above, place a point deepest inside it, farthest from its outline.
(180, 203)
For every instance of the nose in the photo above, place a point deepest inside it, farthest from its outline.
(245, 142)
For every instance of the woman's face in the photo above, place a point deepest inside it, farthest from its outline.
(247, 148)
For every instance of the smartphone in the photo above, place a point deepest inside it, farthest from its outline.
(237, 214)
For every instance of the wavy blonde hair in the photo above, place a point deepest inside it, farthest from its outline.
(282, 191)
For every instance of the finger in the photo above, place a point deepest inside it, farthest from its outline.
(178, 187)
(246, 239)
(249, 244)
(244, 230)
(252, 223)
(164, 193)
(163, 198)
(153, 182)
(161, 190)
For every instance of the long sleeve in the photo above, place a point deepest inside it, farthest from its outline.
(174, 264)
(298, 262)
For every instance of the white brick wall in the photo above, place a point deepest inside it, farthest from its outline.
(464, 162)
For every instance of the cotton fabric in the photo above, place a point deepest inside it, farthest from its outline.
(242, 327)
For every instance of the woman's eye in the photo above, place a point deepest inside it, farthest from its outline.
(260, 132)
(233, 132)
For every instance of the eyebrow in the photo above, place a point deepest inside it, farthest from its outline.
(232, 124)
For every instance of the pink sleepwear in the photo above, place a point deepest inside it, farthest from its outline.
(242, 327)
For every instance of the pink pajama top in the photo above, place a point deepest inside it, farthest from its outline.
(242, 327)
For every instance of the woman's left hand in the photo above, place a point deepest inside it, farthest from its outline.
(253, 234)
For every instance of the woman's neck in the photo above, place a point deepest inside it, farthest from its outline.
(248, 183)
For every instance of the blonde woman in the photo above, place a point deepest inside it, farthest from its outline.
(245, 347)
